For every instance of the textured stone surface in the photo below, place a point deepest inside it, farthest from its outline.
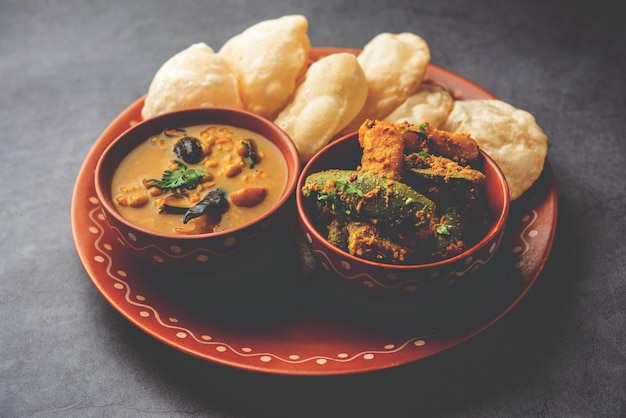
(68, 68)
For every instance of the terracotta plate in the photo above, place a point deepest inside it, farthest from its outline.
(268, 316)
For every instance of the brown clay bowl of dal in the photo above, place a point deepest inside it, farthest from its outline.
(362, 258)
(196, 189)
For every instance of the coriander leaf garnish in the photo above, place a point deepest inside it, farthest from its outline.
(421, 132)
(181, 178)
(331, 199)
(349, 189)
(443, 230)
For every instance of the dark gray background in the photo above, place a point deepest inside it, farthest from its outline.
(68, 68)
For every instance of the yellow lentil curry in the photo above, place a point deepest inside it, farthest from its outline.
(199, 179)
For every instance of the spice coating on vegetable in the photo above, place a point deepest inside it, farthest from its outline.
(367, 195)
(404, 204)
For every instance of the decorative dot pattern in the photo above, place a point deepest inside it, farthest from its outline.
(150, 313)
(471, 265)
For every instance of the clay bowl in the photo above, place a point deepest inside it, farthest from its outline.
(391, 281)
(199, 253)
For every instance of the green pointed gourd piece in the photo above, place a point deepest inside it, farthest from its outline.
(470, 175)
(450, 230)
(365, 195)
(433, 168)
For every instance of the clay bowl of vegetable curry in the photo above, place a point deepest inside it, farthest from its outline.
(402, 210)
(196, 189)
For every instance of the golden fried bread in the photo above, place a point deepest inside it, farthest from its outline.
(331, 94)
(194, 77)
(509, 135)
(429, 103)
(394, 65)
(267, 59)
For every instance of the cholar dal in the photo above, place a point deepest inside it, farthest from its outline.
(199, 179)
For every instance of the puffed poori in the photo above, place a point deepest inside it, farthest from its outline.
(509, 135)
(266, 70)
(430, 103)
(194, 77)
(330, 95)
(267, 59)
(394, 65)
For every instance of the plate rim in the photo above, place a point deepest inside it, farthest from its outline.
(121, 123)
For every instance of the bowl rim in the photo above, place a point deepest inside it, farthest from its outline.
(291, 157)
(497, 224)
